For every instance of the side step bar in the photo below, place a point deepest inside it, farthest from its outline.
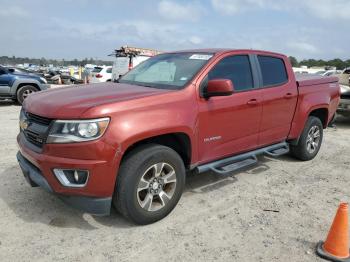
(228, 165)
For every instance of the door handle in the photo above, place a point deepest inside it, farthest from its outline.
(288, 95)
(252, 102)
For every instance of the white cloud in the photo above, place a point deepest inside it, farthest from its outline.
(303, 47)
(177, 12)
(13, 12)
(195, 40)
(325, 9)
(142, 33)
(229, 7)
(329, 9)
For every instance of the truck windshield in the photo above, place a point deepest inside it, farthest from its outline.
(167, 71)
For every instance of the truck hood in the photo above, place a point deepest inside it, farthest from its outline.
(72, 102)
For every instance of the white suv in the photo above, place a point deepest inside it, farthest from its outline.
(101, 74)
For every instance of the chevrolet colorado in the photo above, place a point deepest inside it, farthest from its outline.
(129, 144)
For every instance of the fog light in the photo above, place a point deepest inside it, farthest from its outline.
(72, 177)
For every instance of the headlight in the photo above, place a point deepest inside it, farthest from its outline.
(71, 131)
(23, 124)
(43, 79)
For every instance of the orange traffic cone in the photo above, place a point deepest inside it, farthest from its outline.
(336, 247)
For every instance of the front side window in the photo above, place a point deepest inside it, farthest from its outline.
(273, 71)
(167, 71)
(235, 68)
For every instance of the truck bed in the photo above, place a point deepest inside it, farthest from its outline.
(310, 80)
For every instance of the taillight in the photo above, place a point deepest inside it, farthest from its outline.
(130, 65)
(99, 76)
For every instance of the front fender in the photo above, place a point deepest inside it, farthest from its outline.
(20, 81)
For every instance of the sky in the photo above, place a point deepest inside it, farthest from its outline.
(68, 29)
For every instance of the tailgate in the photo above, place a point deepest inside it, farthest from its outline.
(309, 80)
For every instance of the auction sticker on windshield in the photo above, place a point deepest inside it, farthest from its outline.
(200, 56)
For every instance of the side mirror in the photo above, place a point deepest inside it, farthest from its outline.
(11, 70)
(219, 87)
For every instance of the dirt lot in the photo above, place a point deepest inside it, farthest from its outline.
(221, 219)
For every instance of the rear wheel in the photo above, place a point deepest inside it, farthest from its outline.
(24, 91)
(150, 183)
(310, 140)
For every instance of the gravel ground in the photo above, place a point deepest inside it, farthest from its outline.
(221, 219)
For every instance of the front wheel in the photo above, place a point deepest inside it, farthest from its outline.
(150, 183)
(310, 140)
(24, 91)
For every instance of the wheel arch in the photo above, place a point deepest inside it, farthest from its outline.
(28, 84)
(24, 82)
(178, 141)
(322, 114)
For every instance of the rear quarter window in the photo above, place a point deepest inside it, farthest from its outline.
(273, 71)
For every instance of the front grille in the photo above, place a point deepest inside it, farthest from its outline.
(34, 138)
(37, 129)
(39, 119)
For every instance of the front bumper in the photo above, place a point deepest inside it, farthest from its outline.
(92, 205)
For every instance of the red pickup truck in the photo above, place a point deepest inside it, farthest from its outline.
(130, 143)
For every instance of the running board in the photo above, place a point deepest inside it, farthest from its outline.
(278, 152)
(228, 165)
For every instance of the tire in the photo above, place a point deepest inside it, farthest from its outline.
(132, 197)
(24, 91)
(310, 140)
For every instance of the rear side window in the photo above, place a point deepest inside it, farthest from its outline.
(273, 71)
(237, 69)
(109, 70)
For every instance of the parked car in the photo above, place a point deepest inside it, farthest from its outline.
(17, 70)
(101, 74)
(130, 143)
(344, 105)
(17, 86)
(330, 72)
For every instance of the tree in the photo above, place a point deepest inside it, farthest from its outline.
(294, 61)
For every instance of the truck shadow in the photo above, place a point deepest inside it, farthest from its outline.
(210, 181)
(34, 205)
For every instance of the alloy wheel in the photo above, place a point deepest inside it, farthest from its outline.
(156, 187)
(313, 139)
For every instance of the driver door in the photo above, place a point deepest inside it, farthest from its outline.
(230, 124)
